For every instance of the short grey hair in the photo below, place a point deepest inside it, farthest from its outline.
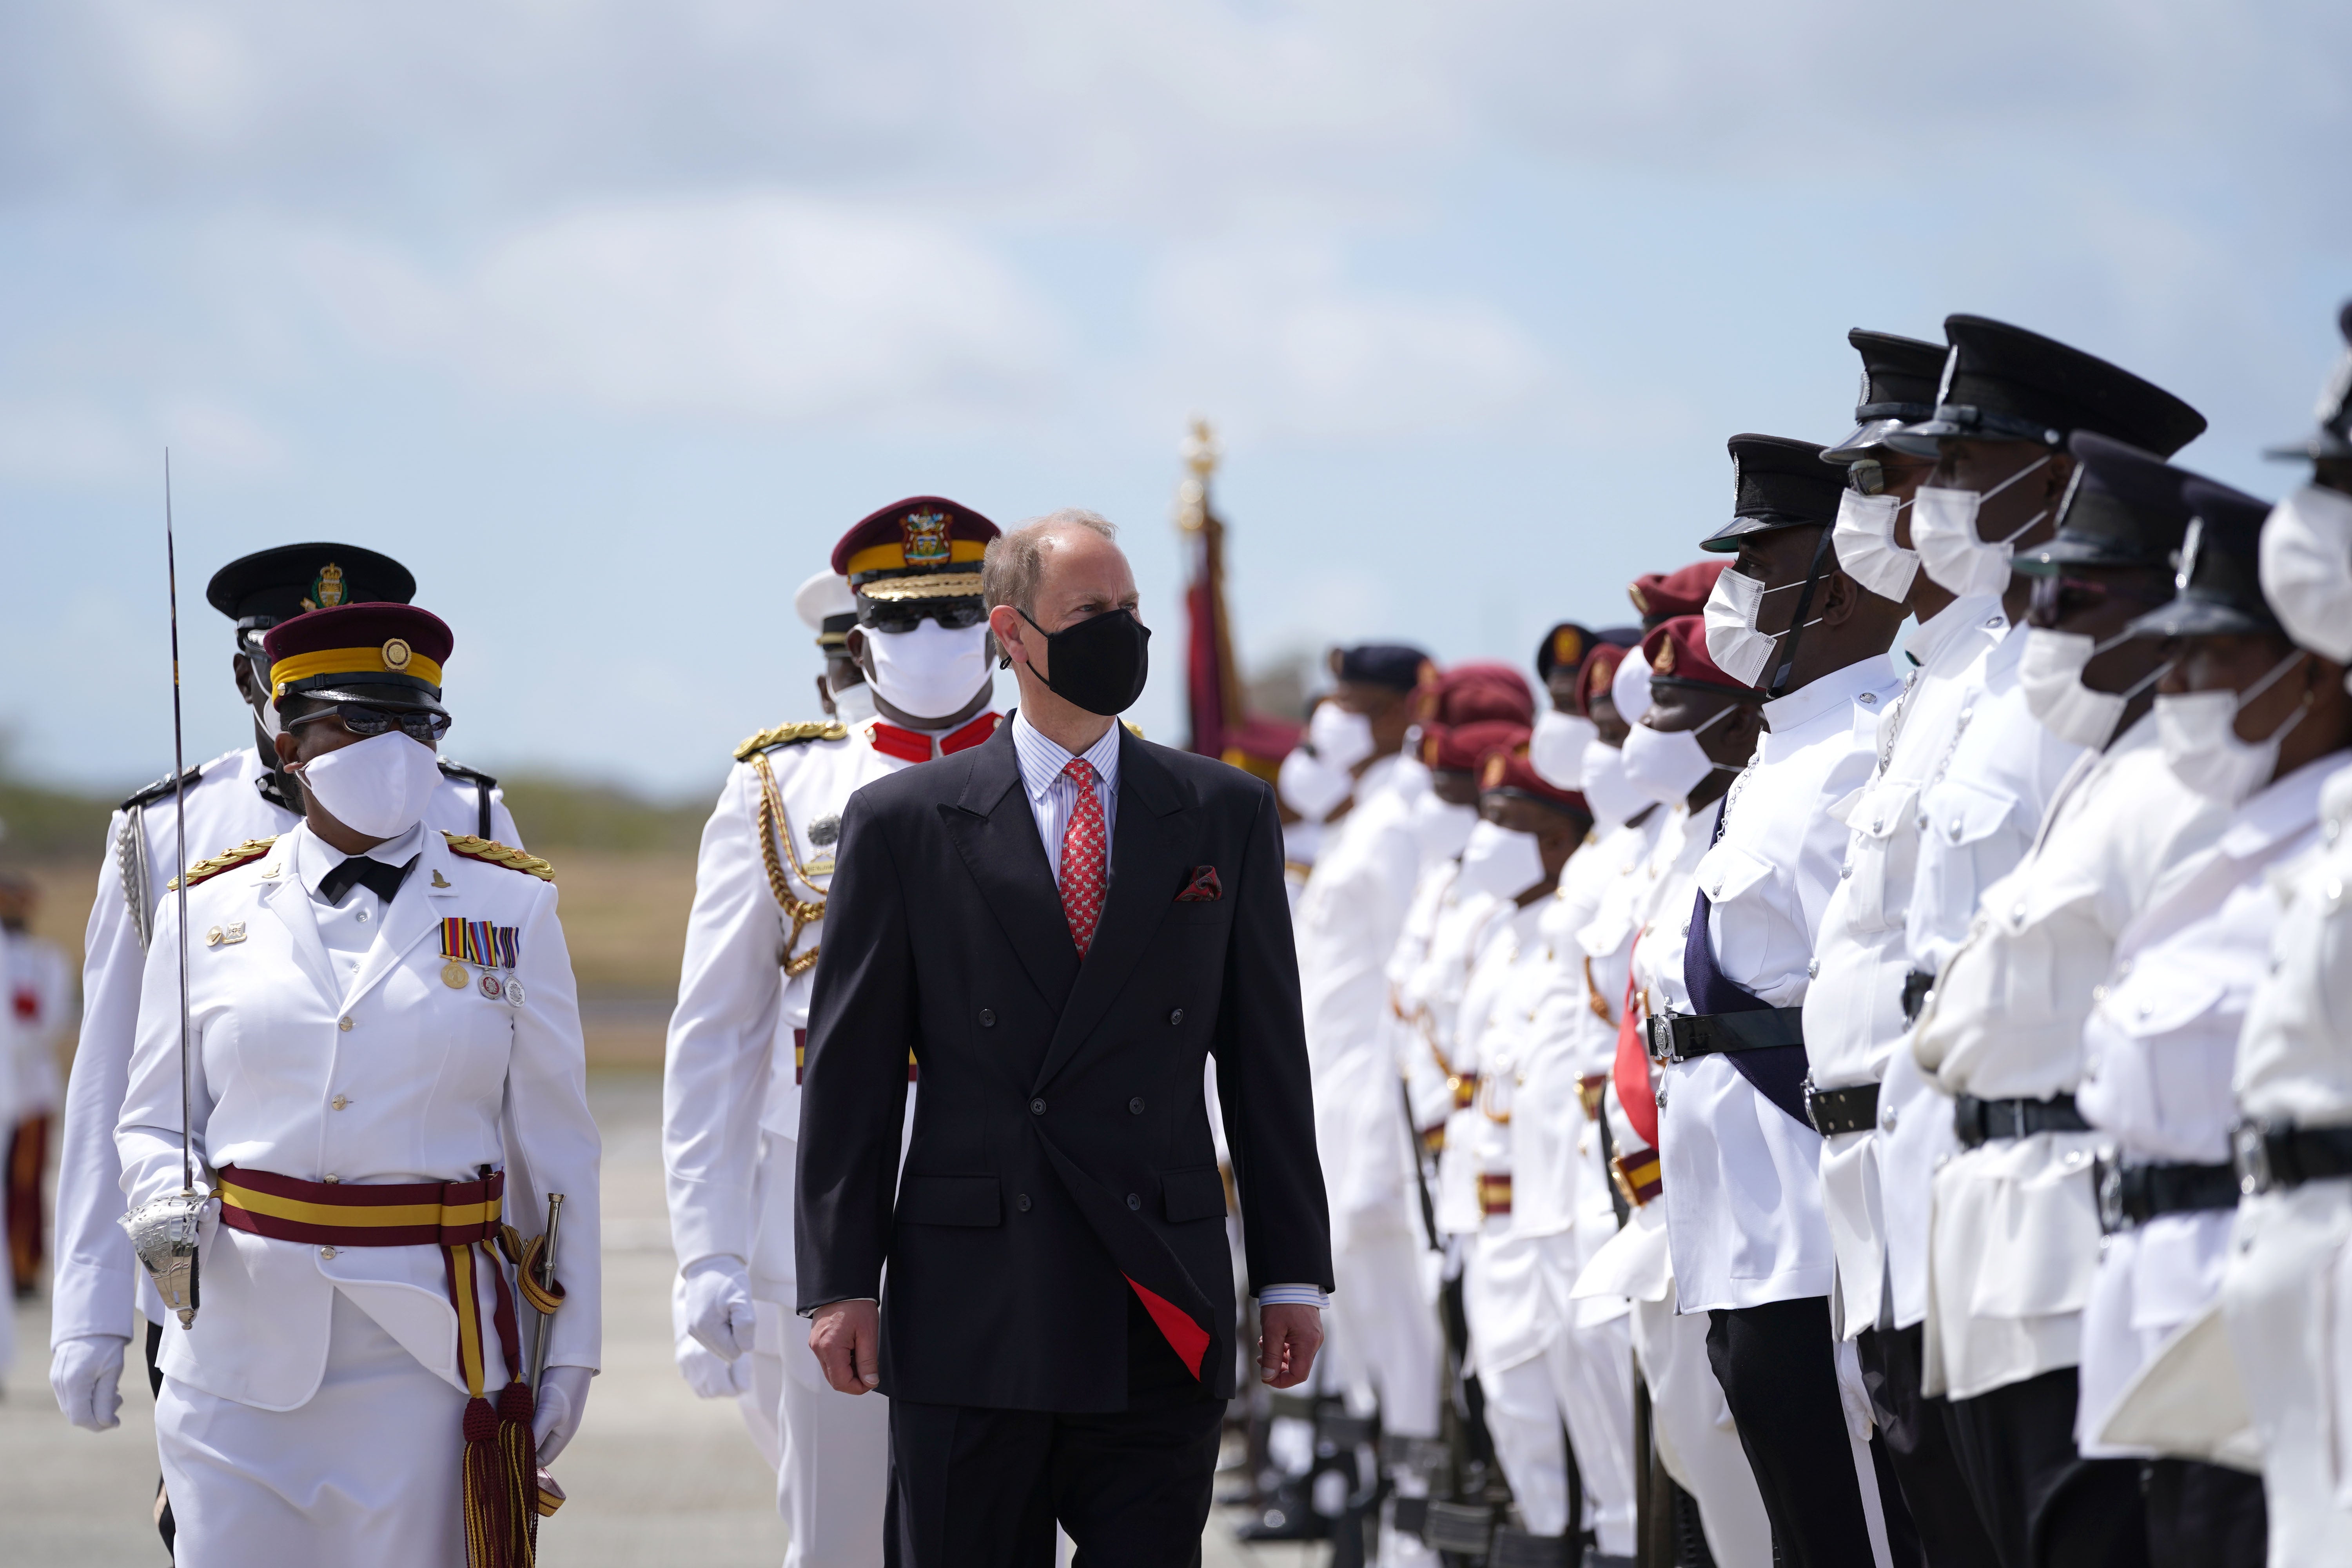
(1015, 562)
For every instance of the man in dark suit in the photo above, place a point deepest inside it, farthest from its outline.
(1061, 925)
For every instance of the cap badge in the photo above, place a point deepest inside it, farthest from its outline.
(1566, 645)
(395, 654)
(1664, 662)
(926, 539)
(327, 591)
(1496, 768)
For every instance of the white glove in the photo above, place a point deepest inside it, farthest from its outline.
(719, 1310)
(710, 1376)
(85, 1374)
(562, 1399)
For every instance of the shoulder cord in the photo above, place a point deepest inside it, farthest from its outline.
(130, 866)
(775, 826)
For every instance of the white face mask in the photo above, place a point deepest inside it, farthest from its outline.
(1500, 862)
(1943, 528)
(1556, 749)
(2306, 569)
(1311, 786)
(1440, 828)
(1738, 650)
(378, 786)
(853, 704)
(2050, 673)
(1665, 765)
(1630, 689)
(931, 673)
(2198, 730)
(1607, 790)
(1340, 738)
(1863, 538)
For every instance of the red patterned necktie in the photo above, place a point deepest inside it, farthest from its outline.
(1083, 853)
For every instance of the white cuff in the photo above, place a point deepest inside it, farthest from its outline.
(1293, 1296)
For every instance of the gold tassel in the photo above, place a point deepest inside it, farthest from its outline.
(488, 1530)
(519, 1472)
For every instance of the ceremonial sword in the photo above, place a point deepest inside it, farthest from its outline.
(164, 1231)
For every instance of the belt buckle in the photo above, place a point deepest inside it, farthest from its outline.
(2250, 1152)
(1812, 1117)
(1659, 1036)
(2107, 1175)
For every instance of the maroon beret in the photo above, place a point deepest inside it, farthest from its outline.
(1461, 748)
(1681, 592)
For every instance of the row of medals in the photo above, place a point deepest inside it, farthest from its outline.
(454, 975)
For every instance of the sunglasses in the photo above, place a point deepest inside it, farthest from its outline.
(894, 615)
(2057, 597)
(366, 721)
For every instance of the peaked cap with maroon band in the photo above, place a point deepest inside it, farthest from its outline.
(1659, 596)
(1507, 769)
(386, 653)
(1469, 693)
(1677, 650)
(1462, 748)
(925, 547)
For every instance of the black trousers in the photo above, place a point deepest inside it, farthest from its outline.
(1916, 1432)
(2204, 1516)
(2043, 1503)
(1778, 1367)
(978, 1488)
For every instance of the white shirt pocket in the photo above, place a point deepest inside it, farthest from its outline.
(1882, 856)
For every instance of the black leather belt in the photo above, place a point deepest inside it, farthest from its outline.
(1834, 1110)
(1916, 986)
(2134, 1195)
(1980, 1120)
(1680, 1036)
(2272, 1155)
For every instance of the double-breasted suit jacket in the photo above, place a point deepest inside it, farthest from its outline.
(1061, 1155)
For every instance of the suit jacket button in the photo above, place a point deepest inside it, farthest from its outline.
(987, 1019)
(1176, 1016)
(1036, 1108)
(344, 1022)
(1021, 1202)
(1133, 1201)
(1135, 1106)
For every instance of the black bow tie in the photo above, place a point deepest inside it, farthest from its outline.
(378, 877)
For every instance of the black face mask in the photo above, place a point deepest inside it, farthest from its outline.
(1098, 664)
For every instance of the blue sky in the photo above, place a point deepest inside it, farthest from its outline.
(609, 318)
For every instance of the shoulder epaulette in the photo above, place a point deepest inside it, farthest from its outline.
(205, 870)
(490, 852)
(162, 788)
(790, 735)
(450, 769)
(1133, 727)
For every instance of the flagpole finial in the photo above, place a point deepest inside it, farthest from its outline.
(1201, 453)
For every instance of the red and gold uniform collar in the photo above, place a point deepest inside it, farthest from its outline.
(924, 745)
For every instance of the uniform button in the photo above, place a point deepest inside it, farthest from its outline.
(1133, 1201)
(325, 1252)
(1886, 1118)
(344, 1022)
(1036, 1108)
(1955, 830)
(1869, 699)
(1813, 970)
(363, 916)
(987, 1019)
(1176, 1014)
(1135, 1106)
(2017, 911)
(1878, 825)
(1021, 1202)
(332, 1178)
(338, 1102)
(1845, 870)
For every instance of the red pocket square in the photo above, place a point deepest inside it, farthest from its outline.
(1204, 889)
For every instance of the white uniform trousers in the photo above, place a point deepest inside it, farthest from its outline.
(1384, 1324)
(1696, 1440)
(2286, 1297)
(365, 1475)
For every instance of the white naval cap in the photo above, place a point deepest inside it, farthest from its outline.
(824, 595)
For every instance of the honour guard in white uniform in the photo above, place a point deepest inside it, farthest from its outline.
(96, 1295)
(385, 1077)
(2250, 719)
(37, 991)
(2284, 1283)
(1691, 730)
(1741, 1164)
(731, 1112)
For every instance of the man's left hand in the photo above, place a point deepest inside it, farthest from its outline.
(1288, 1337)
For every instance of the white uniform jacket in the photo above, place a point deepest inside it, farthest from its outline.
(731, 1078)
(368, 1071)
(1425, 1089)
(2285, 1286)
(40, 1005)
(1742, 1177)
(97, 1281)
(2015, 1229)
(1853, 1008)
(2158, 1052)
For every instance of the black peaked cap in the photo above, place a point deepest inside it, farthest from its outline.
(1776, 483)
(2334, 437)
(287, 581)
(2123, 508)
(1393, 664)
(2219, 588)
(2004, 383)
(1898, 387)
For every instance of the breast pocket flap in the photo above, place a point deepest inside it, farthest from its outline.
(1959, 811)
(1728, 872)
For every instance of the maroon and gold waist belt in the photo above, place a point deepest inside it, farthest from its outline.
(503, 1493)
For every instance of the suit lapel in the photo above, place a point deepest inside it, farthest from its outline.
(1151, 852)
(283, 894)
(414, 912)
(996, 833)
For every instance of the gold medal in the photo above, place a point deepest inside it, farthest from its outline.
(453, 975)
